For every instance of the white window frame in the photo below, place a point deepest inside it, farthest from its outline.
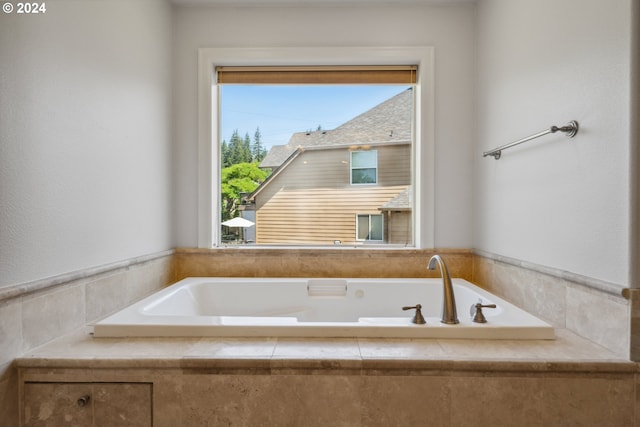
(209, 134)
(351, 167)
(369, 230)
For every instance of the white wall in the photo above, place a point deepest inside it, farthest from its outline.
(450, 29)
(85, 124)
(558, 202)
(85, 136)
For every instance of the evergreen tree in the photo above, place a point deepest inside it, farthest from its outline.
(237, 151)
(242, 150)
(232, 156)
(224, 154)
(246, 148)
(258, 152)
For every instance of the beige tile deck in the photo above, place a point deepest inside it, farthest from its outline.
(567, 352)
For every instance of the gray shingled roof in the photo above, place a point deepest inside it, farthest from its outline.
(390, 121)
(401, 202)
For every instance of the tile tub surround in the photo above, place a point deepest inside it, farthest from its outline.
(318, 262)
(596, 310)
(363, 382)
(34, 313)
(38, 312)
(541, 291)
(31, 313)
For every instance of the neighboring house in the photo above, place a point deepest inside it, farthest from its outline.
(350, 185)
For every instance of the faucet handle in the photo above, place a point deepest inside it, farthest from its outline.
(476, 311)
(417, 318)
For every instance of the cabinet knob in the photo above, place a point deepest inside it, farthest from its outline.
(84, 400)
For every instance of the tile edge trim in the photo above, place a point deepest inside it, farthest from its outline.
(19, 290)
(589, 282)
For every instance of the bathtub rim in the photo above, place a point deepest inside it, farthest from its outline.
(116, 325)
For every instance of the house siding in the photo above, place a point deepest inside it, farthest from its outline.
(314, 202)
(399, 226)
(319, 215)
(331, 169)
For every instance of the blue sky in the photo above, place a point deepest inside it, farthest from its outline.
(280, 111)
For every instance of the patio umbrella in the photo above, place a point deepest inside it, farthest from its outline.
(238, 222)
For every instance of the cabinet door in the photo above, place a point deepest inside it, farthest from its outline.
(87, 404)
(55, 404)
(122, 405)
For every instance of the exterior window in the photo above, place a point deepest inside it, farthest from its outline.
(370, 227)
(303, 151)
(364, 167)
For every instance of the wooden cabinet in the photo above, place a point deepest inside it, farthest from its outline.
(87, 404)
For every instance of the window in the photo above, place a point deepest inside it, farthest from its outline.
(364, 167)
(304, 187)
(420, 192)
(370, 227)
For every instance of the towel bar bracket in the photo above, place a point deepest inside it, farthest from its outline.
(571, 129)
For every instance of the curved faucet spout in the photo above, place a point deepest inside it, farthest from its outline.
(449, 315)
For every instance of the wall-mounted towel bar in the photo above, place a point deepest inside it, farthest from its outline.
(571, 129)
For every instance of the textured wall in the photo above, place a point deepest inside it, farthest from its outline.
(85, 136)
(558, 202)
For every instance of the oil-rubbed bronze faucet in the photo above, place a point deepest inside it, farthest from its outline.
(449, 315)
(417, 318)
(476, 312)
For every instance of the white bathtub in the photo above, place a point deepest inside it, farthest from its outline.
(276, 307)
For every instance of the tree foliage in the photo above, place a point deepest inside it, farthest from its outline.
(258, 152)
(237, 150)
(242, 149)
(240, 170)
(238, 179)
